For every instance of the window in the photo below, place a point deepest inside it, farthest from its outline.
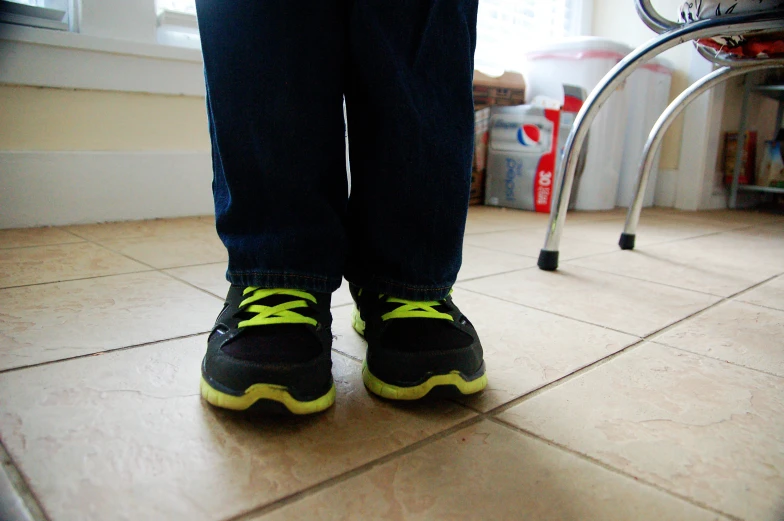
(177, 6)
(507, 28)
(49, 14)
(177, 23)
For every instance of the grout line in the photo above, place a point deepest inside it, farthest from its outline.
(660, 332)
(721, 298)
(650, 337)
(356, 471)
(194, 286)
(346, 355)
(479, 277)
(597, 270)
(669, 241)
(63, 228)
(480, 416)
(76, 234)
(20, 486)
(223, 262)
(105, 352)
(156, 268)
(703, 355)
(502, 230)
(528, 306)
(564, 379)
(45, 245)
(499, 250)
(489, 415)
(78, 278)
(131, 236)
(610, 468)
(163, 268)
(124, 255)
(758, 305)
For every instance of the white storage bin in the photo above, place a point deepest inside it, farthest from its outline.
(584, 62)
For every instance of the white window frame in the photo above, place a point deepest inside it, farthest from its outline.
(107, 53)
(34, 16)
(141, 49)
(178, 28)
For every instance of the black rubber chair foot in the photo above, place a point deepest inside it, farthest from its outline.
(548, 260)
(627, 241)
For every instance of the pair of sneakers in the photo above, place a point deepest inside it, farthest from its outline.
(270, 350)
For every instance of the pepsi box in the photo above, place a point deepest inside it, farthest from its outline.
(522, 152)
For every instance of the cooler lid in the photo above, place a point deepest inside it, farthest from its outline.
(592, 47)
(579, 45)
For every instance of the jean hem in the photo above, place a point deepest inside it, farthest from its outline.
(299, 281)
(401, 290)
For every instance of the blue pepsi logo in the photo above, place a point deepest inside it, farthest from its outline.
(528, 135)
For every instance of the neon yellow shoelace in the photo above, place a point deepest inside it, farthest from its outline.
(414, 309)
(280, 314)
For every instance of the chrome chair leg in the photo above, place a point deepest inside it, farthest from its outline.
(742, 23)
(656, 135)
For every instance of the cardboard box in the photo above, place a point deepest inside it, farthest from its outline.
(505, 90)
(747, 163)
(479, 169)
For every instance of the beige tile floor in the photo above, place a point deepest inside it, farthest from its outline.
(643, 385)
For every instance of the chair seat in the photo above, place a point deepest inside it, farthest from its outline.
(757, 46)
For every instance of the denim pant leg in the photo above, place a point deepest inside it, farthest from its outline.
(275, 79)
(410, 124)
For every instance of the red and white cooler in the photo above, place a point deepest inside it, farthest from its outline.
(583, 62)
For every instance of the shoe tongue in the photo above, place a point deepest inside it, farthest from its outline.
(387, 306)
(274, 300)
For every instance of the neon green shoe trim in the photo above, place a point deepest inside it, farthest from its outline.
(357, 322)
(280, 314)
(256, 392)
(394, 392)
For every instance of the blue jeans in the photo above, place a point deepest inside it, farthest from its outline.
(277, 72)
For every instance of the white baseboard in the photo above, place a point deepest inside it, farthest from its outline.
(57, 188)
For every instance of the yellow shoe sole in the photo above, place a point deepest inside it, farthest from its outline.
(416, 392)
(394, 392)
(271, 392)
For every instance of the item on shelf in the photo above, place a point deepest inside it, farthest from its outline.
(771, 172)
(506, 89)
(479, 169)
(747, 163)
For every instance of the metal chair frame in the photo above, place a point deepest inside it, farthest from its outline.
(671, 34)
(669, 115)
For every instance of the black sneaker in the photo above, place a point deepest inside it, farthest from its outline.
(415, 347)
(270, 349)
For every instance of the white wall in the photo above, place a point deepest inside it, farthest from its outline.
(102, 125)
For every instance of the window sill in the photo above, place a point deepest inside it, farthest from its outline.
(47, 58)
